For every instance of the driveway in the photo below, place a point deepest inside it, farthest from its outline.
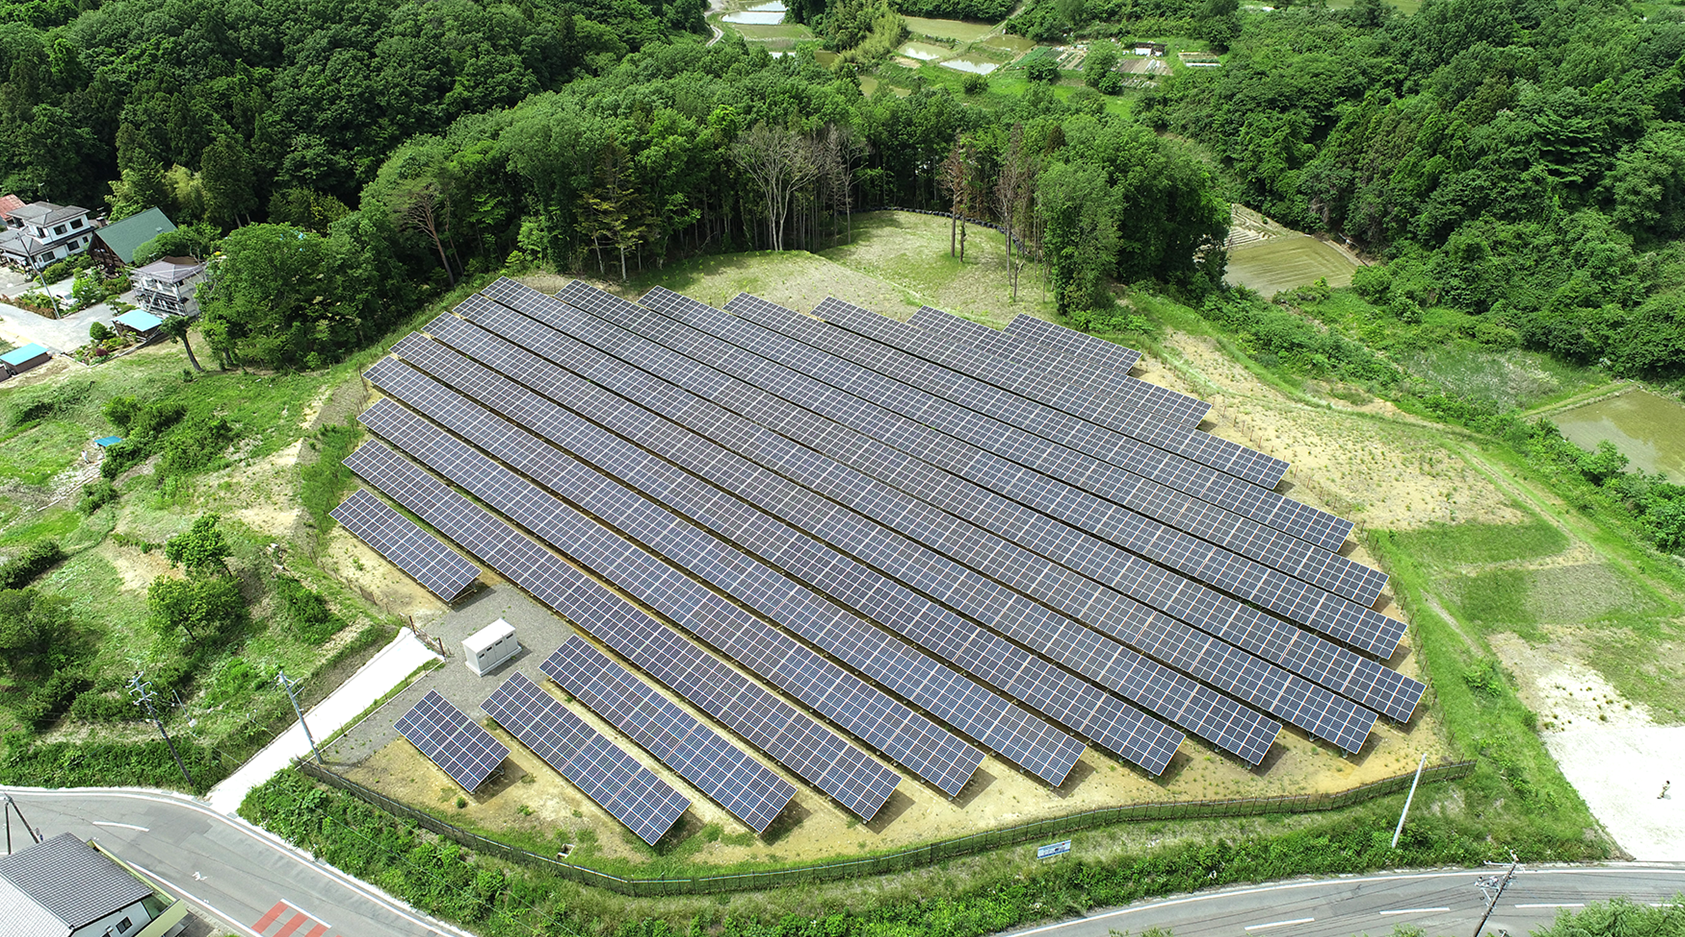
(61, 336)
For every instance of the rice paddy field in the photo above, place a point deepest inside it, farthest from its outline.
(1282, 263)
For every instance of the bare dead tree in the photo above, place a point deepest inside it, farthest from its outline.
(423, 205)
(780, 161)
(955, 179)
(1009, 200)
(843, 149)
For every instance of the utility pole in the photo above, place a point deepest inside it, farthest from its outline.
(8, 806)
(142, 692)
(287, 683)
(1408, 798)
(1493, 887)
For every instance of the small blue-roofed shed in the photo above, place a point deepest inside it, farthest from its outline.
(19, 360)
(138, 321)
(105, 441)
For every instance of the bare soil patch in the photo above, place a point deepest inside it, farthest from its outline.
(356, 564)
(1611, 750)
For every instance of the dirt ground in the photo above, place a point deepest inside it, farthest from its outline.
(1611, 750)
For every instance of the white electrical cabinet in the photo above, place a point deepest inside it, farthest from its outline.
(486, 650)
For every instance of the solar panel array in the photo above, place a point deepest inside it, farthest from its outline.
(1291, 698)
(1099, 716)
(1109, 447)
(1148, 425)
(914, 530)
(408, 547)
(957, 700)
(791, 737)
(1157, 688)
(753, 792)
(1073, 343)
(935, 756)
(1050, 366)
(928, 427)
(630, 792)
(451, 740)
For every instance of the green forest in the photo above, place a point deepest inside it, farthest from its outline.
(1523, 163)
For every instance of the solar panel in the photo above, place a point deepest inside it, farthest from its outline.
(408, 547)
(933, 754)
(1116, 449)
(969, 490)
(1221, 720)
(630, 792)
(752, 792)
(844, 699)
(791, 737)
(1049, 366)
(452, 741)
(1286, 555)
(1019, 737)
(1072, 342)
(1147, 426)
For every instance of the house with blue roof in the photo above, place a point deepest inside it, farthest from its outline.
(19, 360)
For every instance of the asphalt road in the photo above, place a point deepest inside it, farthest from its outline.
(255, 884)
(1441, 903)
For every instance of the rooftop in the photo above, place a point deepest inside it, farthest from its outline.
(54, 887)
(47, 213)
(126, 236)
(20, 355)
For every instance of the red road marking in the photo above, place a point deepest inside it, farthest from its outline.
(268, 919)
(317, 931)
(292, 925)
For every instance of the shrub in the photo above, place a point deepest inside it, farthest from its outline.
(1042, 68)
(306, 611)
(36, 559)
(975, 84)
(96, 495)
(104, 705)
(98, 332)
(122, 409)
(194, 445)
(51, 700)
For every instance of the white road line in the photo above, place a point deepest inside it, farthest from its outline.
(126, 826)
(182, 892)
(1564, 905)
(314, 917)
(1415, 910)
(1297, 920)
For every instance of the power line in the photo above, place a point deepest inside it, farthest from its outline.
(1493, 887)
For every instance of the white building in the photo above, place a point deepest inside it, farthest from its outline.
(166, 287)
(42, 233)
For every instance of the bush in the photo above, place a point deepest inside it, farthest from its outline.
(50, 701)
(1042, 68)
(90, 763)
(96, 495)
(98, 332)
(121, 410)
(36, 559)
(306, 611)
(105, 705)
(975, 84)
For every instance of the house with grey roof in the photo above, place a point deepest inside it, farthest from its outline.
(166, 287)
(41, 233)
(64, 887)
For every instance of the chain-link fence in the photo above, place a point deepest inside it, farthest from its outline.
(917, 857)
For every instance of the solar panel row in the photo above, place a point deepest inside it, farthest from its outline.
(752, 792)
(1334, 667)
(969, 494)
(630, 792)
(408, 547)
(791, 737)
(1072, 342)
(1167, 468)
(1157, 688)
(996, 442)
(846, 700)
(1049, 755)
(1033, 745)
(1218, 453)
(1049, 366)
(451, 740)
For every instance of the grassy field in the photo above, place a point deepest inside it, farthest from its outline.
(1283, 263)
(258, 482)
